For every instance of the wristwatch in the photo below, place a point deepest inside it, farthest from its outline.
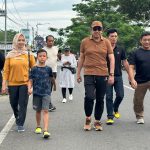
(111, 74)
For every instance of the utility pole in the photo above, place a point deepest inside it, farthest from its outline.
(33, 38)
(5, 27)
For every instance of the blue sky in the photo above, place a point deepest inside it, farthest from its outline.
(54, 13)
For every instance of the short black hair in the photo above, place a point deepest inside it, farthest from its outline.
(59, 51)
(67, 48)
(144, 34)
(48, 37)
(111, 31)
(41, 50)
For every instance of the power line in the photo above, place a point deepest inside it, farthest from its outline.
(14, 21)
(18, 13)
(13, 15)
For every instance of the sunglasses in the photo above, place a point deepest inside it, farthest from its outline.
(97, 28)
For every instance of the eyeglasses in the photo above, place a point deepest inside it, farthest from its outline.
(97, 28)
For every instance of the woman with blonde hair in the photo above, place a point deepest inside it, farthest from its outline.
(15, 76)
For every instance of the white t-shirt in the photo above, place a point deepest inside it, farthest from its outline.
(52, 57)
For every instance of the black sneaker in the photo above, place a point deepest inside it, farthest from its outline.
(52, 108)
(21, 129)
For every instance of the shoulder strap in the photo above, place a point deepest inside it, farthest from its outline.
(29, 58)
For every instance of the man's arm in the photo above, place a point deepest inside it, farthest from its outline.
(80, 65)
(131, 73)
(112, 67)
(126, 65)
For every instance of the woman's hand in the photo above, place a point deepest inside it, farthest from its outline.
(4, 88)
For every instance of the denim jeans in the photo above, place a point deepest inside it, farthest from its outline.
(110, 105)
(95, 88)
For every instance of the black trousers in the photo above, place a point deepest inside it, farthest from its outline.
(18, 96)
(95, 88)
(64, 91)
(0, 80)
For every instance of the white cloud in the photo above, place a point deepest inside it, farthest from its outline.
(57, 13)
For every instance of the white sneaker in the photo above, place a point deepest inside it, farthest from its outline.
(64, 100)
(70, 97)
(140, 121)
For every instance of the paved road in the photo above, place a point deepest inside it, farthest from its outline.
(66, 127)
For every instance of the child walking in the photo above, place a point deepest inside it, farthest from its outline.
(40, 85)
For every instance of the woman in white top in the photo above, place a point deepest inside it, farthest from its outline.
(66, 77)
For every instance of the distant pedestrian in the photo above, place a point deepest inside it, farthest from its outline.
(120, 58)
(16, 75)
(2, 61)
(41, 77)
(140, 66)
(52, 52)
(93, 57)
(66, 77)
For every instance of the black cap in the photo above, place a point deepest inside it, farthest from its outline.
(67, 49)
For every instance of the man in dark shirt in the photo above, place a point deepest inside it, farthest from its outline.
(120, 58)
(140, 66)
(2, 60)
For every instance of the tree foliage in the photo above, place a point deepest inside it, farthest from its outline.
(10, 35)
(110, 14)
(137, 10)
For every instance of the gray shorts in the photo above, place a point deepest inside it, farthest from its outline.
(41, 102)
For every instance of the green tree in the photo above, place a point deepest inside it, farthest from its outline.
(10, 35)
(137, 10)
(106, 11)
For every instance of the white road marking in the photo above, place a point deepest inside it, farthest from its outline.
(128, 87)
(6, 129)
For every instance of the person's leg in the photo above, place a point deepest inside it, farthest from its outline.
(23, 102)
(64, 95)
(13, 97)
(101, 83)
(45, 119)
(63, 90)
(89, 85)
(45, 107)
(119, 92)
(70, 93)
(70, 90)
(138, 100)
(38, 118)
(109, 101)
(51, 106)
(0, 81)
(37, 106)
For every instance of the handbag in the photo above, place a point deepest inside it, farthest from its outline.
(72, 69)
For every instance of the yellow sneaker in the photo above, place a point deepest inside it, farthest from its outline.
(110, 122)
(117, 115)
(38, 130)
(46, 134)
